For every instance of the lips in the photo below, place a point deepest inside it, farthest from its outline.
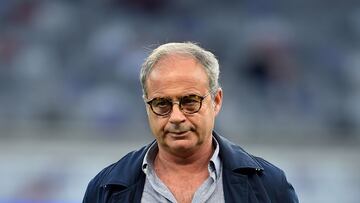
(178, 134)
(178, 131)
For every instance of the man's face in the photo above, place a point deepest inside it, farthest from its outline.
(172, 77)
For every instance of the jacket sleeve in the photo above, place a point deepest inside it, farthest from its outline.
(94, 192)
(287, 193)
(91, 194)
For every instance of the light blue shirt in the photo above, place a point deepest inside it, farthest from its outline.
(211, 190)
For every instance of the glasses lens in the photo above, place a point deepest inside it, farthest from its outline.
(161, 106)
(188, 104)
(191, 103)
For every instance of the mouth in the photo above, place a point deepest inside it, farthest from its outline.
(178, 134)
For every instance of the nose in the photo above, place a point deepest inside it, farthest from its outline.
(176, 116)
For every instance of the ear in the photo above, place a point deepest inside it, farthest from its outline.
(147, 107)
(147, 110)
(218, 101)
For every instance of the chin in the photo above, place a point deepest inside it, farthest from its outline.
(182, 145)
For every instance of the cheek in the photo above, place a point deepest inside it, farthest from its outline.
(207, 122)
(156, 125)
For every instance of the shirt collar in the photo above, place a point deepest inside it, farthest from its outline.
(149, 157)
(215, 159)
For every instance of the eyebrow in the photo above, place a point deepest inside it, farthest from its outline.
(167, 97)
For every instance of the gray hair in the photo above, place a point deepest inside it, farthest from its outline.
(204, 57)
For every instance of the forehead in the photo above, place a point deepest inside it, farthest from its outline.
(177, 74)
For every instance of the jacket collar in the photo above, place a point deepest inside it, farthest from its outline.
(235, 158)
(128, 170)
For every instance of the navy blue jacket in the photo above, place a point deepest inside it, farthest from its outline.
(246, 178)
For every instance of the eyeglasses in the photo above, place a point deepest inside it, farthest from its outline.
(189, 104)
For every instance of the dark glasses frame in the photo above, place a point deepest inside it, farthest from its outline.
(179, 102)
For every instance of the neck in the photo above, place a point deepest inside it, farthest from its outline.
(191, 162)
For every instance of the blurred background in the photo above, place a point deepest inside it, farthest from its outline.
(70, 98)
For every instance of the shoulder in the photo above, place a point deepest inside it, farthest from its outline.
(268, 167)
(236, 158)
(260, 173)
(274, 180)
(270, 174)
(123, 173)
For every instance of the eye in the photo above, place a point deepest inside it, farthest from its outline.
(160, 103)
(190, 100)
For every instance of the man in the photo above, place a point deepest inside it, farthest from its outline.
(188, 161)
